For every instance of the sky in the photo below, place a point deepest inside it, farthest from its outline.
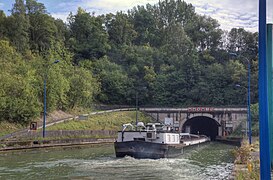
(229, 13)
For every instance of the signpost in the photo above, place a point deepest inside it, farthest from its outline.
(33, 126)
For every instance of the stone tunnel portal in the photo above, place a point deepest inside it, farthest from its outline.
(202, 125)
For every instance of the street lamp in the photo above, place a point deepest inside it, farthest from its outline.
(248, 124)
(45, 78)
(136, 108)
(248, 97)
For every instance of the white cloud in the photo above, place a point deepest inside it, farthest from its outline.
(103, 6)
(61, 15)
(229, 13)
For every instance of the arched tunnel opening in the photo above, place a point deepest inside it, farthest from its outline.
(202, 125)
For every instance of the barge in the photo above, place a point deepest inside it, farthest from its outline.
(153, 141)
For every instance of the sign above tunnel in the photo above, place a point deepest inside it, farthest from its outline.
(200, 109)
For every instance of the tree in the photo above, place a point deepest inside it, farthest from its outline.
(237, 72)
(207, 35)
(3, 30)
(83, 88)
(216, 83)
(114, 82)
(119, 28)
(18, 27)
(42, 27)
(176, 41)
(33, 7)
(88, 37)
(62, 34)
(18, 95)
(145, 24)
(166, 53)
(243, 42)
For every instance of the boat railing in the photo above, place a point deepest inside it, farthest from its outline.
(124, 126)
(188, 136)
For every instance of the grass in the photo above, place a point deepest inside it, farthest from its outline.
(7, 128)
(247, 162)
(80, 110)
(107, 121)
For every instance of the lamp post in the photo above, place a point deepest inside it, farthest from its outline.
(248, 97)
(248, 124)
(136, 108)
(248, 104)
(45, 78)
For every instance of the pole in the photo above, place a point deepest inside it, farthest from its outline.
(246, 134)
(248, 104)
(248, 121)
(269, 58)
(136, 108)
(247, 118)
(263, 102)
(45, 78)
(44, 121)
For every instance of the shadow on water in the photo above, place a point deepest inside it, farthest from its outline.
(210, 161)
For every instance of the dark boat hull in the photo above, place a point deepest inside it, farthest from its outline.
(142, 149)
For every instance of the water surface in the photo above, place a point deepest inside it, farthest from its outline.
(210, 161)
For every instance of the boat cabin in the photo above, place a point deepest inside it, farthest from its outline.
(152, 132)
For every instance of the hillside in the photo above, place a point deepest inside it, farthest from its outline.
(107, 121)
(159, 55)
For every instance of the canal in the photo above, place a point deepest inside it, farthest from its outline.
(209, 161)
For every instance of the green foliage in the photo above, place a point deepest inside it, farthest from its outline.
(238, 72)
(247, 164)
(166, 54)
(88, 39)
(2, 24)
(145, 25)
(119, 28)
(242, 154)
(83, 88)
(41, 32)
(18, 94)
(18, 27)
(254, 108)
(114, 81)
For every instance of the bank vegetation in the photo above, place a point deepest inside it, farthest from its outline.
(164, 54)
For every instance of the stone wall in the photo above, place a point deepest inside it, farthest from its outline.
(67, 133)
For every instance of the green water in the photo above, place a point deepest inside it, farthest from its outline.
(210, 161)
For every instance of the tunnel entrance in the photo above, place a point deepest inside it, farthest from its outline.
(202, 125)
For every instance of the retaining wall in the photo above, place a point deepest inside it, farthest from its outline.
(60, 133)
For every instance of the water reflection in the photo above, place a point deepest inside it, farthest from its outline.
(211, 161)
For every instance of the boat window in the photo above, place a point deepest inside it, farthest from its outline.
(159, 128)
(169, 138)
(139, 139)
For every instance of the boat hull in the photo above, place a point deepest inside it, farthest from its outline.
(142, 149)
